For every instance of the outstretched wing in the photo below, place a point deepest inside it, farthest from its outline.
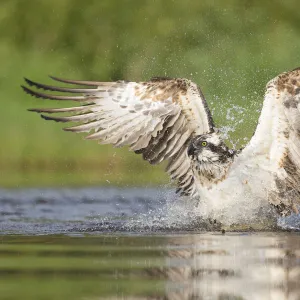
(277, 139)
(156, 118)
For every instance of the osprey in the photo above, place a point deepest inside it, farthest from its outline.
(169, 119)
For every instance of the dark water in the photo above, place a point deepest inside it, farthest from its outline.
(121, 244)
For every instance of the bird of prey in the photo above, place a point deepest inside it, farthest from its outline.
(169, 119)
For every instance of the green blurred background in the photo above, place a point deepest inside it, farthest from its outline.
(230, 48)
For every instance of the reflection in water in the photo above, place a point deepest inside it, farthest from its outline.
(198, 266)
(233, 267)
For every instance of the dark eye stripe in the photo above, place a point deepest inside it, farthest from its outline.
(213, 147)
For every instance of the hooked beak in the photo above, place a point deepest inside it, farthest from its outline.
(191, 149)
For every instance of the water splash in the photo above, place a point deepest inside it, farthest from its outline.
(291, 222)
(181, 214)
(130, 210)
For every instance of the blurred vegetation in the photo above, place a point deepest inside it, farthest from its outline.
(230, 48)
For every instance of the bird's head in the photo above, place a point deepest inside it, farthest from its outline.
(209, 148)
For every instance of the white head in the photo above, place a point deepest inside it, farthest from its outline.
(210, 148)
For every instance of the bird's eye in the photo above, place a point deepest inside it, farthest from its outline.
(203, 144)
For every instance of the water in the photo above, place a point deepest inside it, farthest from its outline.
(121, 244)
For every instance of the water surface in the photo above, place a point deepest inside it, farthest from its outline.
(117, 244)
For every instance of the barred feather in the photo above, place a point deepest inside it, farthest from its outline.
(155, 118)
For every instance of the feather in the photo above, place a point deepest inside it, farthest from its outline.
(53, 97)
(84, 127)
(80, 82)
(77, 118)
(155, 118)
(80, 109)
(59, 89)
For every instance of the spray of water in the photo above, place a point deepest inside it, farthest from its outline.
(241, 213)
(181, 214)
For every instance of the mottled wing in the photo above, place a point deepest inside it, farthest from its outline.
(156, 119)
(277, 136)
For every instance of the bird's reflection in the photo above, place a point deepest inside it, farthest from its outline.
(232, 267)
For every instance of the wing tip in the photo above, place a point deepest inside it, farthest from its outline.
(55, 78)
(45, 117)
(76, 82)
(29, 91)
(33, 110)
(29, 82)
(69, 129)
(55, 119)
